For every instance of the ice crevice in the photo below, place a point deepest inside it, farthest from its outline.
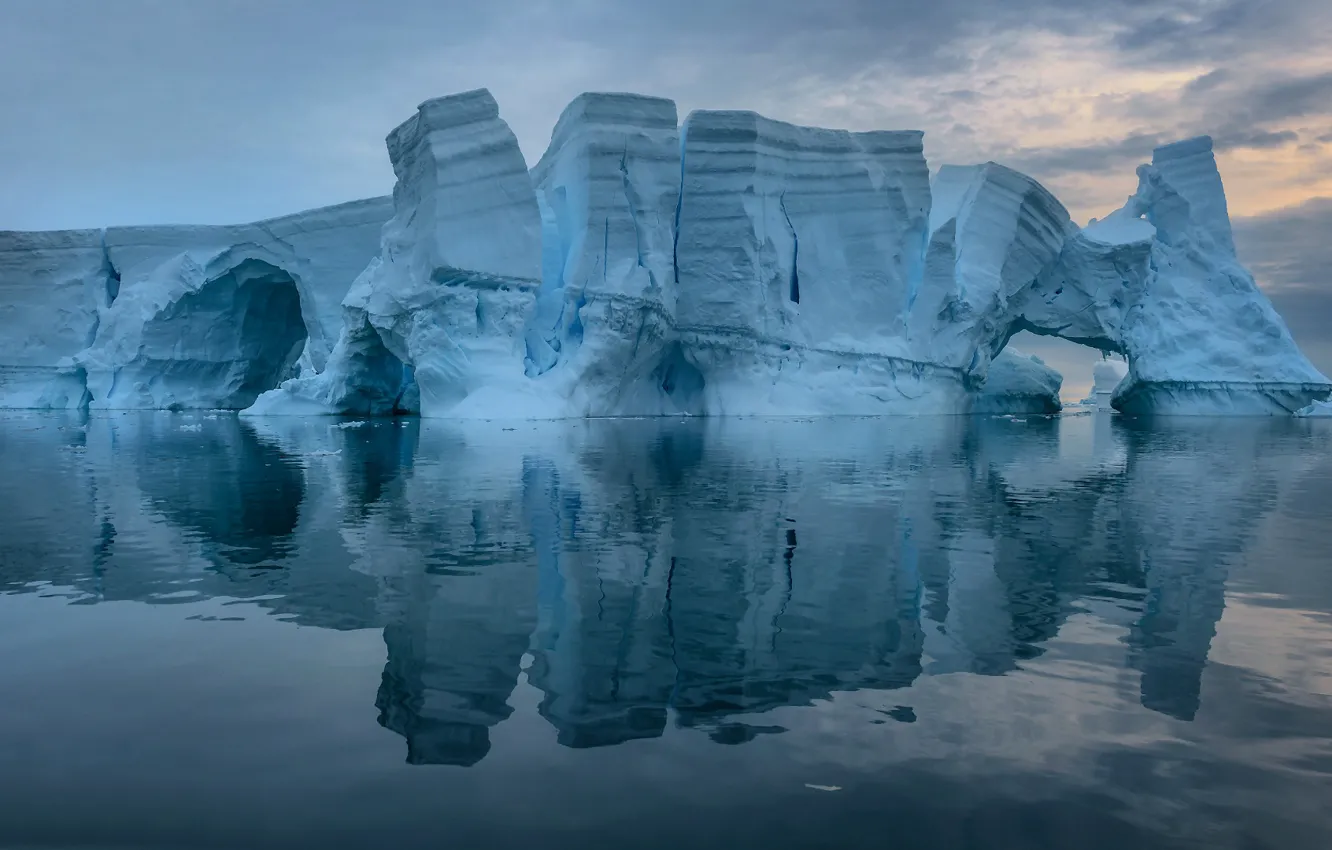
(795, 251)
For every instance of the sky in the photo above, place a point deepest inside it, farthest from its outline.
(220, 111)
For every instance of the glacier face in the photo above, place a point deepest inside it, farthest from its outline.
(731, 264)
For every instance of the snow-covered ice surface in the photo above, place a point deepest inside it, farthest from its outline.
(731, 264)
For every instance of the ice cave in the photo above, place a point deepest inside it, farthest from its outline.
(728, 264)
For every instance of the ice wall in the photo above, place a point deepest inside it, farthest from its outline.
(176, 316)
(52, 287)
(797, 252)
(608, 189)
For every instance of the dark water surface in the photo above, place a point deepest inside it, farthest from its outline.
(933, 632)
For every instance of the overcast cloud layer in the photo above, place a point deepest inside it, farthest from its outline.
(212, 111)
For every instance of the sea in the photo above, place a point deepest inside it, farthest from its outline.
(1079, 631)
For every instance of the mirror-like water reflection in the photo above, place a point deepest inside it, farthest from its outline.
(983, 632)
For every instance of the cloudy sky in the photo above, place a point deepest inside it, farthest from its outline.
(214, 111)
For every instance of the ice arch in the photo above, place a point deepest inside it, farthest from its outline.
(210, 335)
(1157, 281)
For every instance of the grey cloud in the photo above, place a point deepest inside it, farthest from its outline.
(1290, 248)
(1256, 139)
(1209, 81)
(216, 110)
(1290, 254)
(1184, 32)
(1237, 112)
(1193, 26)
(1294, 97)
(1109, 155)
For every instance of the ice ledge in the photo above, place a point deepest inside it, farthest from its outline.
(1216, 398)
(1184, 148)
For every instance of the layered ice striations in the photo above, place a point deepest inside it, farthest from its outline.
(993, 232)
(53, 287)
(797, 254)
(729, 265)
(608, 189)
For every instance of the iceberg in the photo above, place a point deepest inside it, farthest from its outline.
(1106, 376)
(1020, 384)
(1158, 281)
(726, 265)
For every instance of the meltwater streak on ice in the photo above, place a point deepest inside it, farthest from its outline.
(727, 265)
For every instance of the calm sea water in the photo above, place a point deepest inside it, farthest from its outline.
(1082, 632)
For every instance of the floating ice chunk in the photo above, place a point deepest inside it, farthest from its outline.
(1317, 409)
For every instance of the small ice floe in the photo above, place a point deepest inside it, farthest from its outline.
(360, 423)
(324, 453)
(195, 427)
(823, 787)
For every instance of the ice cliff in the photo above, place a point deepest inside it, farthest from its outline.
(608, 189)
(729, 264)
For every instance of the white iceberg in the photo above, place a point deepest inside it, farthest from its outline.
(729, 265)
(1107, 374)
